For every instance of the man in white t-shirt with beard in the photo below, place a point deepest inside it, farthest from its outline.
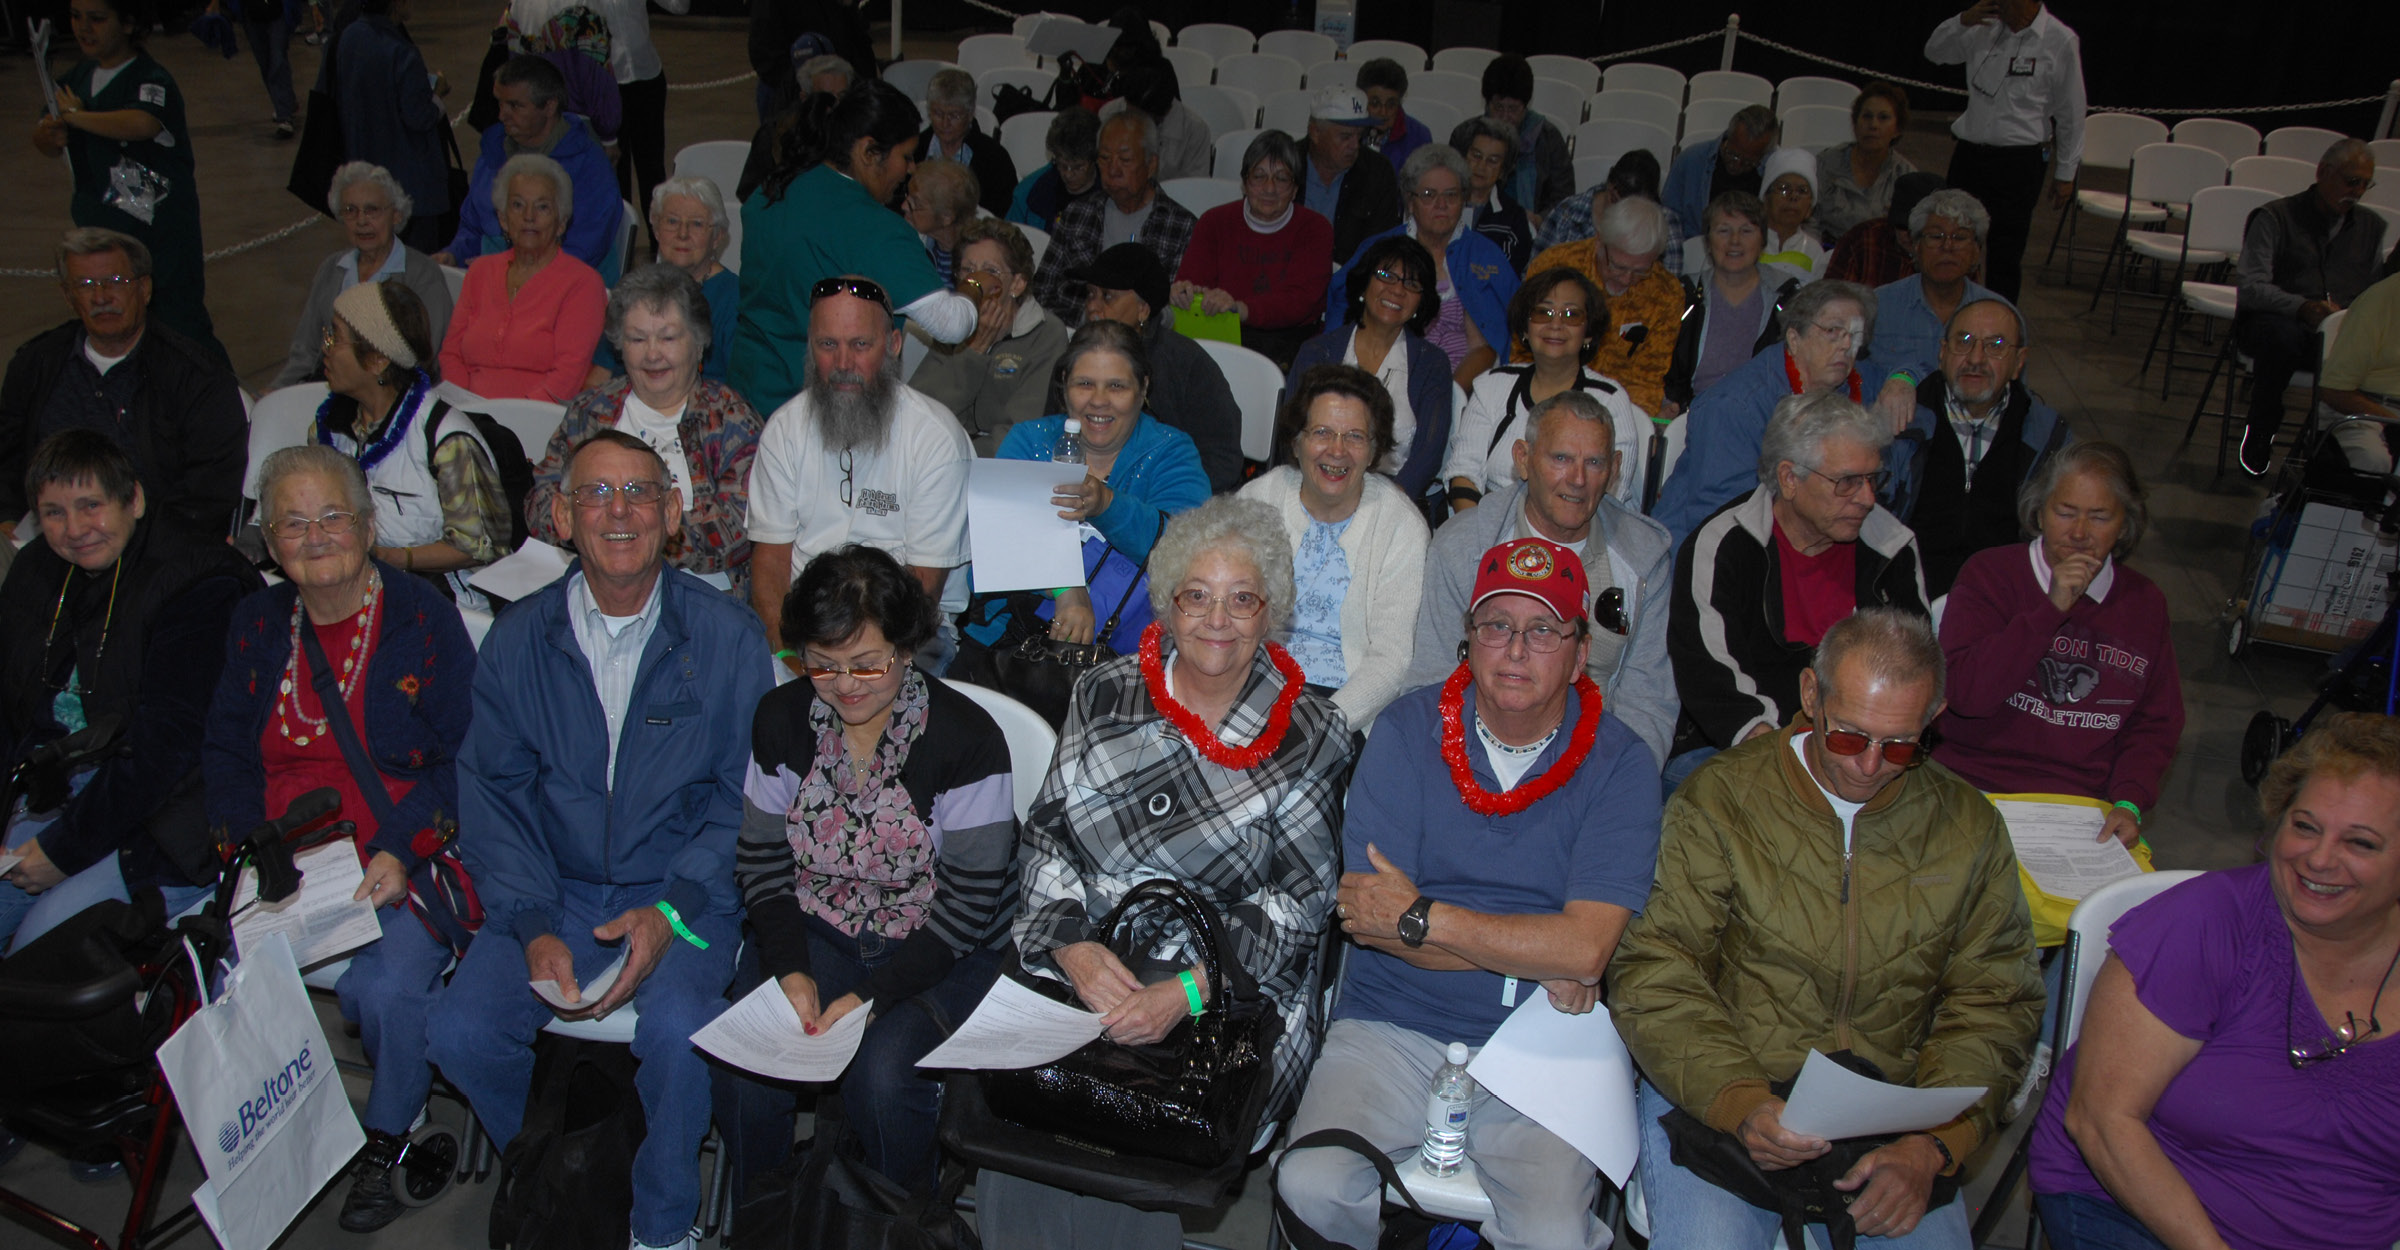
(859, 457)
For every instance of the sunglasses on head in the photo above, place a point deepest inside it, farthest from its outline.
(1898, 752)
(827, 288)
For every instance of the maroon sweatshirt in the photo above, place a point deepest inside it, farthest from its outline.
(2084, 702)
(1281, 276)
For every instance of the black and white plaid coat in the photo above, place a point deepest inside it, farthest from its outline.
(1077, 241)
(1128, 800)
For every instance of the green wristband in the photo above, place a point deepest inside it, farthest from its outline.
(2128, 806)
(1191, 992)
(668, 910)
(787, 654)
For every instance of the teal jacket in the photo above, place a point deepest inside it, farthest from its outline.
(1157, 474)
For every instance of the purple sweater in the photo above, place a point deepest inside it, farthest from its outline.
(2084, 702)
(2306, 1160)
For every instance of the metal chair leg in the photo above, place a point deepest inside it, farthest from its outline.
(2164, 306)
(2107, 258)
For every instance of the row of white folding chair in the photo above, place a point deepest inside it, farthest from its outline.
(1201, 194)
(1304, 46)
(977, 53)
(1025, 138)
(720, 161)
(1468, 61)
(2387, 152)
(1222, 108)
(911, 78)
(2284, 175)
(1260, 73)
(1216, 40)
(2167, 176)
(1192, 66)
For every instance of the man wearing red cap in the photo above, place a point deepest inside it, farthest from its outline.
(1501, 833)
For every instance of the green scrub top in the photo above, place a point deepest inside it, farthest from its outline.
(146, 189)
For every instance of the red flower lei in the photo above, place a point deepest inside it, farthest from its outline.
(1454, 750)
(1791, 372)
(1196, 731)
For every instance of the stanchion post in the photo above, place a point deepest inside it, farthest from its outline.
(2391, 105)
(896, 29)
(1733, 27)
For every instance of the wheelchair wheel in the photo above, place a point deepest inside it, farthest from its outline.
(425, 1168)
(2261, 743)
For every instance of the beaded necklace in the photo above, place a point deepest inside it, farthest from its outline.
(1196, 731)
(354, 670)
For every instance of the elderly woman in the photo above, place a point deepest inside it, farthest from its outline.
(1544, 174)
(1473, 279)
(1490, 150)
(1391, 302)
(687, 217)
(952, 134)
(448, 514)
(2235, 1034)
(106, 619)
(1073, 146)
(404, 677)
(939, 203)
(1788, 185)
(1128, 284)
(1358, 543)
(1001, 374)
(2036, 632)
(527, 317)
(1733, 312)
(1259, 257)
(878, 834)
(1559, 317)
(373, 210)
(820, 214)
(660, 322)
(1855, 179)
(1214, 714)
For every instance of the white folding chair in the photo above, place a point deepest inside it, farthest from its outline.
(1568, 69)
(2283, 175)
(2302, 143)
(1808, 90)
(1561, 102)
(1217, 40)
(1286, 111)
(1644, 76)
(1330, 74)
(1670, 449)
(1193, 67)
(1257, 387)
(533, 421)
(1468, 61)
(1440, 116)
(1223, 108)
(2386, 191)
(1026, 136)
(911, 78)
(1022, 28)
(2211, 239)
(2227, 138)
(1303, 47)
(2109, 142)
(2168, 175)
(1159, 32)
(1463, 92)
(720, 161)
(2387, 151)
(977, 53)
(622, 249)
(1039, 239)
(1731, 84)
(989, 82)
(1227, 164)
(1201, 194)
(454, 277)
(1031, 741)
(280, 419)
(1704, 120)
(1410, 56)
(1614, 105)
(2391, 224)
(1811, 127)
(1261, 74)
(1602, 143)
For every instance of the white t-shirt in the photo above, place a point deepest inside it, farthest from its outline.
(908, 497)
(1843, 808)
(664, 432)
(1394, 376)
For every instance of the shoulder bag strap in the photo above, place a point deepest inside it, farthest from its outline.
(1519, 396)
(1140, 570)
(337, 714)
(1306, 1238)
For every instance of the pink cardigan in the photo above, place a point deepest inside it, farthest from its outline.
(535, 346)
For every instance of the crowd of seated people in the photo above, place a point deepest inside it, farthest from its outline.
(1644, 733)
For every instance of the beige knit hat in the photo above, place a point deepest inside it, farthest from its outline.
(362, 307)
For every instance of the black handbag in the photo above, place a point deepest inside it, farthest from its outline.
(826, 1197)
(1040, 671)
(322, 148)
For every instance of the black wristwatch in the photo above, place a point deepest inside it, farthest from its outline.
(1949, 1163)
(1413, 921)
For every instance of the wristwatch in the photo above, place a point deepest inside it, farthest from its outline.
(1413, 921)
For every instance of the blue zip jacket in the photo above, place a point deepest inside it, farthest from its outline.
(1720, 456)
(1480, 275)
(1157, 474)
(591, 233)
(533, 778)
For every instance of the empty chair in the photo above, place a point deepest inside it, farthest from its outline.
(1330, 73)
(977, 53)
(1030, 740)
(1814, 126)
(2302, 143)
(2166, 174)
(1287, 111)
(1257, 386)
(1572, 69)
(1731, 84)
(989, 82)
(1643, 76)
(1807, 90)
(1302, 47)
(2387, 152)
(1025, 136)
(280, 419)
(1468, 61)
(1635, 106)
(1193, 67)
(2391, 225)
(2230, 139)
(1022, 28)
(1222, 108)
(1202, 194)
(1558, 101)
(2214, 237)
(1440, 116)
(1704, 120)
(1160, 33)
(1410, 56)
(2386, 191)
(1463, 92)
(1227, 164)
(2109, 142)
(1261, 74)
(1217, 40)
(910, 78)
(1599, 144)
(2284, 175)
(1039, 239)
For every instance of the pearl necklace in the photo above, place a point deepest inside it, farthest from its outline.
(354, 671)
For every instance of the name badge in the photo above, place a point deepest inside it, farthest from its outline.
(2021, 66)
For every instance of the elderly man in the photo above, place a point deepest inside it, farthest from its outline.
(1645, 302)
(1826, 326)
(170, 403)
(1568, 467)
(1129, 209)
(1360, 198)
(1761, 581)
(952, 134)
(1826, 888)
(2361, 376)
(533, 100)
(1979, 436)
(1634, 176)
(1470, 879)
(859, 457)
(2304, 257)
(1945, 233)
(601, 795)
(1395, 133)
(1878, 252)
(2024, 114)
(1728, 162)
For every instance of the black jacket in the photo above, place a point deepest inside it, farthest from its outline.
(1369, 204)
(995, 174)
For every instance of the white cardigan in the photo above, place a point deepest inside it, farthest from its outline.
(1385, 547)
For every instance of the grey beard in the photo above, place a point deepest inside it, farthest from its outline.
(855, 420)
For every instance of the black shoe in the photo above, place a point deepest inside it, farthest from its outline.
(2258, 452)
(373, 1202)
(283, 130)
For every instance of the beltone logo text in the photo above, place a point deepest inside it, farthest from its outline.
(275, 1094)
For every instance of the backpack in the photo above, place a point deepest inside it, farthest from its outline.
(566, 1182)
(508, 457)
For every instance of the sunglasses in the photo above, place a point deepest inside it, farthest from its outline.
(1609, 610)
(827, 288)
(1898, 752)
(862, 672)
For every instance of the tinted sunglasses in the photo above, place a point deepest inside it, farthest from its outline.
(1609, 611)
(1900, 753)
(827, 288)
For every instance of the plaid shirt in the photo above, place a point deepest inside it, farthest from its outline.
(1571, 219)
(720, 436)
(1076, 243)
(1870, 255)
(1127, 800)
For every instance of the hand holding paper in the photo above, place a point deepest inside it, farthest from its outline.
(1570, 1074)
(1832, 1102)
(762, 1034)
(589, 992)
(1014, 1027)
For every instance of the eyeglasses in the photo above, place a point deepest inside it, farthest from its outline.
(1849, 483)
(1947, 238)
(1992, 344)
(1269, 178)
(1545, 314)
(1401, 280)
(1837, 329)
(354, 212)
(113, 282)
(849, 470)
(636, 494)
(1427, 195)
(1625, 270)
(1609, 610)
(1541, 637)
(1356, 440)
(2366, 183)
(1793, 190)
(861, 672)
(1898, 752)
(1241, 605)
(333, 523)
(2345, 1037)
(827, 288)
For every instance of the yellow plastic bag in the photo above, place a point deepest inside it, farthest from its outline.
(1224, 327)
(2050, 911)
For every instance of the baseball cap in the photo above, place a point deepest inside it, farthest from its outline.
(1128, 267)
(1343, 106)
(1536, 567)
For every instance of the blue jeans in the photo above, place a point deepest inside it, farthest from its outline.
(270, 44)
(2082, 1222)
(483, 1025)
(24, 917)
(1681, 767)
(891, 1104)
(1689, 1213)
(387, 991)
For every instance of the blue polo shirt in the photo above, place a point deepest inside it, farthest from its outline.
(1908, 336)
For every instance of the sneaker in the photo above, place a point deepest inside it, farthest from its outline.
(283, 128)
(2258, 452)
(10, 1144)
(95, 1173)
(313, 38)
(2037, 1074)
(373, 1202)
(688, 1242)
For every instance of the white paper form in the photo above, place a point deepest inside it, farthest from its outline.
(1832, 1102)
(1014, 1027)
(1019, 540)
(1569, 1074)
(590, 990)
(521, 572)
(40, 35)
(2055, 840)
(762, 1034)
(320, 919)
(9, 862)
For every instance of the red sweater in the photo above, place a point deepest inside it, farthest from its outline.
(1281, 276)
(2085, 702)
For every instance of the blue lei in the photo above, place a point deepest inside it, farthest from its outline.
(395, 424)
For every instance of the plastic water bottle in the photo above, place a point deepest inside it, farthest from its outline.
(1069, 447)
(1446, 1115)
